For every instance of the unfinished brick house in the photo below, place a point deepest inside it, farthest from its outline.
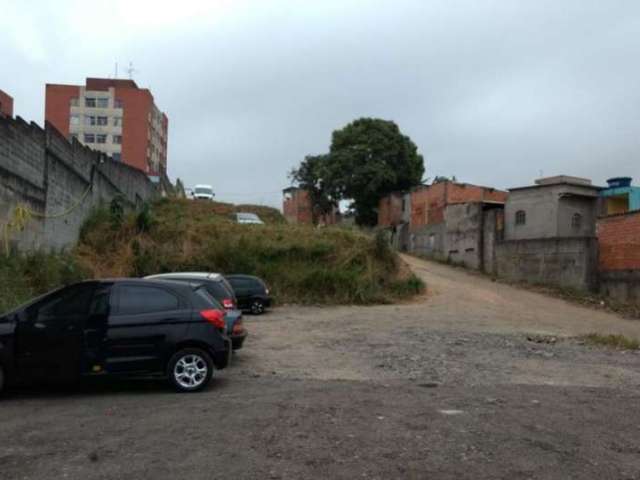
(297, 208)
(449, 219)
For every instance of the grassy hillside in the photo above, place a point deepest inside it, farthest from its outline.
(301, 264)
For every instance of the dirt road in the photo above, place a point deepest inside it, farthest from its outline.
(458, 384)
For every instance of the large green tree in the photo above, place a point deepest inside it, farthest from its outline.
(368, 159)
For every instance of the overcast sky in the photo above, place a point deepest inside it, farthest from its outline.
(494, 92)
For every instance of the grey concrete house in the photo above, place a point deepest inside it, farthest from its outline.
(555, 207)
(549, 233)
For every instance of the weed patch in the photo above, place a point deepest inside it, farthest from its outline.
(619, 342)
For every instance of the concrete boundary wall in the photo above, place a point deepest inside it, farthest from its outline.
(43, 171)
(621, 286)
(564, 262)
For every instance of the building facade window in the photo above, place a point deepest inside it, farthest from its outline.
(74, 119)
(89, 138)
(89, 120)
(117, 121)
(103, 102)
(101, 138)
(117, 139)
(102, 120)
(576, 221)
(521, 217)
(90, 102)
(117, 103)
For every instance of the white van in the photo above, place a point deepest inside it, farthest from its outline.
(203, 192)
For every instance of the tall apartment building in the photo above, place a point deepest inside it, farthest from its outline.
(113, 116)
(6, 104)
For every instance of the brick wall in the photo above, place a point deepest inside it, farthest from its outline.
(43, 171)
(428, 202)
(6, 104)
(619, 240)
(390, 210)
(296, 207)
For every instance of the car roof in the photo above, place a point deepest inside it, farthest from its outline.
(242, 275)
(187, 275)
(142, 281)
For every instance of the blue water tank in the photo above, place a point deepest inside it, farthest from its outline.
(619, 182)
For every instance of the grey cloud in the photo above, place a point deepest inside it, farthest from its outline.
(493, 92)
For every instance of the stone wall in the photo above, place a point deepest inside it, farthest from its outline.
(60, 181)
(564, 262)
(621, 286)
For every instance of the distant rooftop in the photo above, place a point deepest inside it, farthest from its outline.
(106, 83)
(567, 179)
(560, 180)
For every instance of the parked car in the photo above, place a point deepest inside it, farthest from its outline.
(251, 292)
(129, 327)
(203, 192)
(248, 218)
(222, 291)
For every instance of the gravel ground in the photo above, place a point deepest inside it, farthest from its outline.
(475, 380)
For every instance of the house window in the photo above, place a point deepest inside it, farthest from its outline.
(103, 102)
(89, 138)
(90, 102)
(74, 119)
(576, 221)
(117, 139)
(102, 120)
(521, 217)
(89, 120)
(101, 138)
(117, 121)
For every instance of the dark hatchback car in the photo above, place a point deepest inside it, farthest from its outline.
(221, 290)
(126, 327)
(251, 292)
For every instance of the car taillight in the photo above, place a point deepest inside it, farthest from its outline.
(238, 327)
(228, 303)
(215, 317)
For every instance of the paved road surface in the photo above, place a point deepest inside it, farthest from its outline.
(459, 384)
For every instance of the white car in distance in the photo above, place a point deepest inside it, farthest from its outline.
(248, 218)
(203, 192)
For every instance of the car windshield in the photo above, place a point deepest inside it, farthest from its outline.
(206, 191)
(247, 216)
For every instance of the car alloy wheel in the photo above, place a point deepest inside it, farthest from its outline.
(190, 369)
(257, 307)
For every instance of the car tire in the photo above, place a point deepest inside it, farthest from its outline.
(257, 307)
(190, 370)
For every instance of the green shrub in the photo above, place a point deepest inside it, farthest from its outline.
(25, 276)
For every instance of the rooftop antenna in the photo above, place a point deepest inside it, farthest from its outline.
(131, 70)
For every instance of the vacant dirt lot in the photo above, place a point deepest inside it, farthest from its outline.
(463, 383)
